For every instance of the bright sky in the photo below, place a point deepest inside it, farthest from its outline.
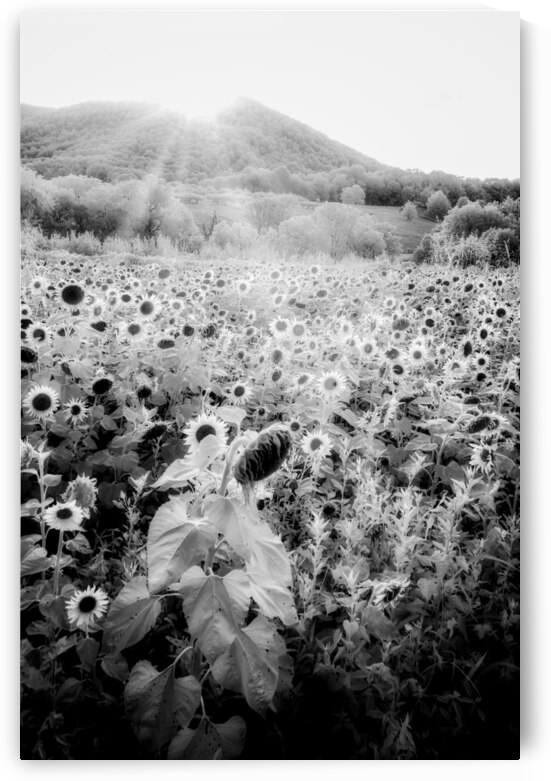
(426, 89)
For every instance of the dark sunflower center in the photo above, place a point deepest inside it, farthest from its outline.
(417, 354)
(203, 431)
(330, 383)
(87, 604)
(72, 294)
(165, 344)
(101, 386)
(42, 402)
(28, 355)
(239, 391)
(315, 443)
(134, 329)
(39, 334)
(76, 409)
(146, 308)
(64, 513)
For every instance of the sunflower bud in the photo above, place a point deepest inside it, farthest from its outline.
(264, 456)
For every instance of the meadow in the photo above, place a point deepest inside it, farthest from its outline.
(270, 511)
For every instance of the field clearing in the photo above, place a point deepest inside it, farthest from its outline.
(235, 206)
(292, 492)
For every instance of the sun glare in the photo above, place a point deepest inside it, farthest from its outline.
(202, 104)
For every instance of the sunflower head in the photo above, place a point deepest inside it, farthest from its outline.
(41, 402)
(85, 607)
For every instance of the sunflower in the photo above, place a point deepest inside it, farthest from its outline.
(85, 607)
(483, 456)
(280, 328)
(101, 384)
(240, 393)
(72, 295)
(38, 334)
(148, 308)
(417, 354)
(75, 411)
(298, 330)
(332, 386)
(315, 445)
(65, 516)
(132, 332)
(41, 401)
(83, 490)
(243, 287)
(38, 286)
(367, 349)
(206, 425)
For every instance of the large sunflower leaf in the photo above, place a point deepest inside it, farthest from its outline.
(243, 660)
(130, 617)
(252, 539)
(250, 665)
(175, 543)
(158, 704)
(210, 740)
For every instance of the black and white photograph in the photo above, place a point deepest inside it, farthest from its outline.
(270, 384)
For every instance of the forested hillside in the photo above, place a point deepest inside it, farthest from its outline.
(248, 146)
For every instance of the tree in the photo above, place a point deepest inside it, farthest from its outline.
(438, 205)
(336, 223)
(237, 235)
(393, 245)
(353, 195)
(268, 211)
(366, 241)
(409, 211)
(473, 218)
(37, 196)
(301, 234)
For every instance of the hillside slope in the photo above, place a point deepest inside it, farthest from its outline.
(117, 140)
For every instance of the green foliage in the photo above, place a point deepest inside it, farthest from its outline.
(248, 146)
(438, 205)
(409, 211)
(353, 195)
(474, 218)
(324, 566)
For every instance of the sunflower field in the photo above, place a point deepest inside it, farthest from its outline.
(268, 511)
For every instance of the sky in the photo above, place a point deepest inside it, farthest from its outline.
(434, 90)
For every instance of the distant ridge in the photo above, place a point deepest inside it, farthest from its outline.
(133, 139)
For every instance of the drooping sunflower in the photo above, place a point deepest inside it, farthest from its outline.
(64, 516)
(86, 607)
(101, 384)
(41, 402)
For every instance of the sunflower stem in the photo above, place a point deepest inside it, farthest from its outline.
(57, 563)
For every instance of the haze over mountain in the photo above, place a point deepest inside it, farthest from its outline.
(247, 146)
(133, 139)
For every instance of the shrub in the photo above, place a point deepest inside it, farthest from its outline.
(84, 244)
(471, 251)
(409, 211)
(438, 205)
(474, 218)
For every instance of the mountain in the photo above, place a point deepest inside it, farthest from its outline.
(113, 141)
